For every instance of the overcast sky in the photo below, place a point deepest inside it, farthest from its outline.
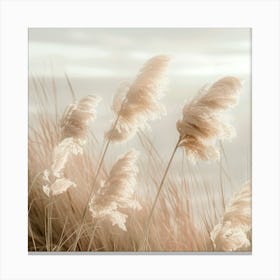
(97, 60)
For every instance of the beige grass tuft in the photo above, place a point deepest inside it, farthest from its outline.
(56, 225)
(76, 118)
(202, 122)
(232, 233)
(74, 127)
(139, 103)
(117, 192)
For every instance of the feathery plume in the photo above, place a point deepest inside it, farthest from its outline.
(139, 103)
(202, 123)
(55, 182)
(76, 117)
(117, 191)
(223, 94)
(61, 154)
(74, 126)
(201, 126)
(59, 186)
(231, 234)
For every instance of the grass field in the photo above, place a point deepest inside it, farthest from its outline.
(87, 194)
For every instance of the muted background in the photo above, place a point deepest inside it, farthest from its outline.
(98, 60)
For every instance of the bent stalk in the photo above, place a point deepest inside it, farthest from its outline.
(143, 243)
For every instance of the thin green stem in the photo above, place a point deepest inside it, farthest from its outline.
(146, 233)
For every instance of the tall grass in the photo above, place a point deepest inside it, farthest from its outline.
(201, 123)
(187, 210)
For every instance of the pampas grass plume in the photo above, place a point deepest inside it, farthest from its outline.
(232, 233)
(135, 105)
(202, 122)
(117, 191)
(74, 127)
(76, 118)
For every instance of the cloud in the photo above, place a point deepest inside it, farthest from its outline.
(120, 52)
(53, 50)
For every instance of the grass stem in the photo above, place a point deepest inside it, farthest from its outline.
(94, 184)
(146, 233)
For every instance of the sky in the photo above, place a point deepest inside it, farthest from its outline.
(98, 60)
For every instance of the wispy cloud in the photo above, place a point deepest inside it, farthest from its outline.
(52, 50)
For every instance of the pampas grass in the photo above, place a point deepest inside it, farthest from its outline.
(77, 116)
(74, 126)
(59, 186)
(54, 176)
(134, 110)
(116, 193)
(202, 123)
(135, 105)
(233, 231)
(91, 209)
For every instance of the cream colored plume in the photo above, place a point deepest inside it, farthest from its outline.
(59, 186)
(232, 233)
(74, 127)
(135, 105)
(76, 118)
(117, 192)
(61, 154)
(54, 180)
(202, 123)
